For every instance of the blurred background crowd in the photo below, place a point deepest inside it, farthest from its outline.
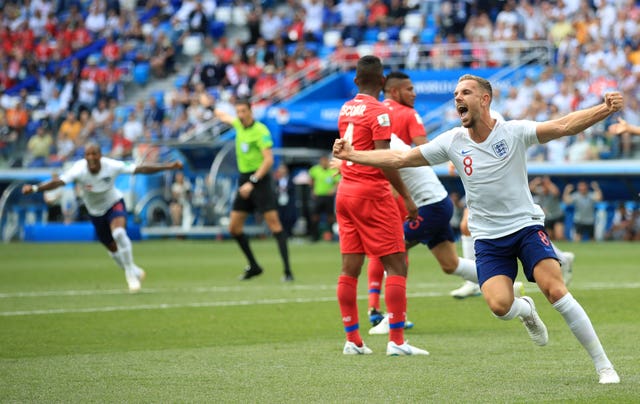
(132, 73)
(70, 70)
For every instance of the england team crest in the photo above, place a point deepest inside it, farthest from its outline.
(500, 148)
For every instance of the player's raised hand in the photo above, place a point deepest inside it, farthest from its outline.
(27, 189)
(614, 101)
(341, 149)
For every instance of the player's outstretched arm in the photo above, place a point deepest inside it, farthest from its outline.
(45, 186)
(578, 121)
(223, 116)
(386, 158)
(154, 168)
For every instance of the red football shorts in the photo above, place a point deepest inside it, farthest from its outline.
(369, 226)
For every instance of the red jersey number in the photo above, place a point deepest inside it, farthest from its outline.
(468, 162)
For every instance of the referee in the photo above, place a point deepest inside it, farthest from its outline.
(254, 156)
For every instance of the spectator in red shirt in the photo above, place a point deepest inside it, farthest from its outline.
(111, 50)
(378, 12)
(266, 83)
(223, 52)
(81, 36)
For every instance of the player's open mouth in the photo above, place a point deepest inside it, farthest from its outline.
(462, 110)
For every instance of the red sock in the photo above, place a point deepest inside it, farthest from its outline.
(347, 299)
(375, 273)
(395, 297)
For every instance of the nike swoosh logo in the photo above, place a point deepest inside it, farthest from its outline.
(465, 152)
(403, 350)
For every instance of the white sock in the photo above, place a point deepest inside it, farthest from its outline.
(124, 249)
(117, 259)
(467, 270)
(519, 308)
(579, 323)
(468, 251)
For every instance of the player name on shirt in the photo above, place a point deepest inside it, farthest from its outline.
(353, 110)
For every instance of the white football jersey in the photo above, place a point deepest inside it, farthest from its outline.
(98, 190)
(494, 175)
(422, 182)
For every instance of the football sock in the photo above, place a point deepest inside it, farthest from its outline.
(519, 308)
(467, 270)
(347, 293)
(281, 238)
(375, 274)
(117, 259)
(468, 250)
(579, 323)
(395, 298)
(243, 242)
(124, 249)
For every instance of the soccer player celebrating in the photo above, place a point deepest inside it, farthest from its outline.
(432, 227)
(490, 156)
(96, 175)
(368, 218)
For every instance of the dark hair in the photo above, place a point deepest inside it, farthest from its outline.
(396, 75)
(484, 83)
(243, 101)
(369, 70)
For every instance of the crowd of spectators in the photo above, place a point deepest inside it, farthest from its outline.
(79, 97)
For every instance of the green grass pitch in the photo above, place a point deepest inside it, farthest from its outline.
(70, 332)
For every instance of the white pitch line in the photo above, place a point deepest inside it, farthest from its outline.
(163, 306)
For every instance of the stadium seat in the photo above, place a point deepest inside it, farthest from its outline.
(239, 16)
(428, 35)
(141, 73)
(159, 97)
(393, 33)
(331, 38)
(192, 45)
(364, 49)
(371, 35)
(224, 14)
(406, 35)
(217, 29)
(179, 81)
(414, 21)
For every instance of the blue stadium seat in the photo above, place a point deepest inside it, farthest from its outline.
(141, 73)
(217, 29)
(159, 96)
(428, 35)
(371, 35)
(394, 33)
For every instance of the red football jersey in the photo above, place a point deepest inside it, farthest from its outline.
(405, 121)
(362, 121)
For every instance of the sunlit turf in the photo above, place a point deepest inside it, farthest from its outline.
(70, 332)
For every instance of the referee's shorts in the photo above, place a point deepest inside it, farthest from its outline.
(261, 199)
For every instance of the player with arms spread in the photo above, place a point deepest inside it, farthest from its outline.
(368, 217)
(490, 156)
(96, 175)
(432, 226)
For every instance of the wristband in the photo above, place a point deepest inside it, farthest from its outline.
(34, 188)
(253, 179)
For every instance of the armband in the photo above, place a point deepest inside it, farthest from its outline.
(253, 179)
(34, 188)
